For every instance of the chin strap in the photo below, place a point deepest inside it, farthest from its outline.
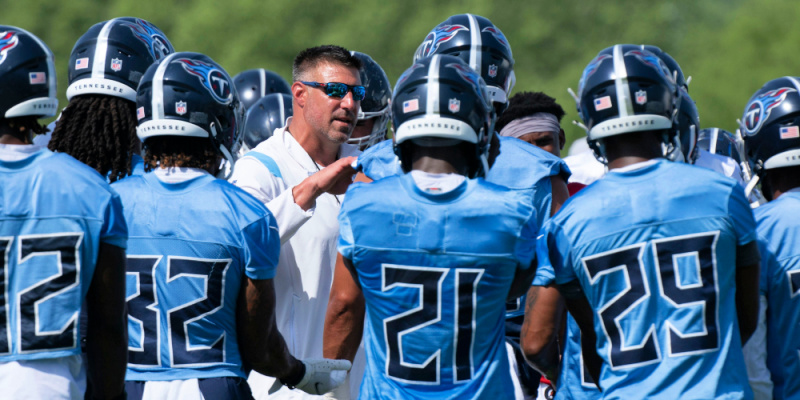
(225, 173)
(599, 150)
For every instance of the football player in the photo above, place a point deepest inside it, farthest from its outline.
(62, 239)
(519, 166)
(436, 281)
(771, 127)
(375, 112)
(534, 117)
(254, 84)
(719, 142)
(201, 301)
(267, 114)
(98, 126)
(664, 294)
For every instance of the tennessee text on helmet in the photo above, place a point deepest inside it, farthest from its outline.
(27, 75)
(111, 57)
(188, 94)
(442, 98)
(627, 89)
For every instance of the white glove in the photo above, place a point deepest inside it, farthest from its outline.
(342, 392)
(322, 375)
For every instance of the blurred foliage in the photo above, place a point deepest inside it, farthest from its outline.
(729, 47)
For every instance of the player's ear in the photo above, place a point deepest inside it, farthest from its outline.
(562, 139)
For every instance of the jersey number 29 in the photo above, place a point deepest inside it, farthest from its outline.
(699, 251)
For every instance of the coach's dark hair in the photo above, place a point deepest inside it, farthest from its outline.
(180, 151)
(99, 131)
(21, 128)
(311, 57)
(525, 104)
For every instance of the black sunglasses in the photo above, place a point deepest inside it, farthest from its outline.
(339, 90)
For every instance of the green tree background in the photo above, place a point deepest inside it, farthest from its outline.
(729, 47)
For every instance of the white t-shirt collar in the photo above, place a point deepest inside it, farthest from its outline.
(17, 152)
(178, 174)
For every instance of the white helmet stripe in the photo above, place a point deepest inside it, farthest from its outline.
(475, 50)
(280, 107)
(262, 78)
(157, 105)
(794, 82)
(51, 65)
(433, 86)
(624, 104)
(712, 147)
(101, 50)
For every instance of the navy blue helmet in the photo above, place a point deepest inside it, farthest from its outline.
(188, 94)
(111, 57)
(254, 84)
(677, 72)
(482, 45)
(771, 125)
(266, 115)
(440, 101)
(688, 123)
(376, 102)
(718, 141)
(625, 89)
(27, 75)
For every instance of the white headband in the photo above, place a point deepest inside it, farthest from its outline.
(539, 122)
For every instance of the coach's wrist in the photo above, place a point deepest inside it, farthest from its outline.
(306, 192)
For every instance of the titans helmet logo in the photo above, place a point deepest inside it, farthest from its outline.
(759, 109)
(214, 80)
(155, 40)
(471, 77)
(591, 69)
(652, 61)
(439, 35)
(8, 40)
(498, 35)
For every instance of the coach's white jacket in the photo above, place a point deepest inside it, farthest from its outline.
(308, 252)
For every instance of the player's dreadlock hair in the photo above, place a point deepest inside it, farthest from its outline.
(525, 104)
(99, 131)
(180, 151)
(22, 127)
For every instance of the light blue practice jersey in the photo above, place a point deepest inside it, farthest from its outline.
(54, 213)
(779, 240)
(191, 246)
(435, 276)
(137, 165)
(379, 161)
(574, 380)
(519, 166)
(654, 250)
